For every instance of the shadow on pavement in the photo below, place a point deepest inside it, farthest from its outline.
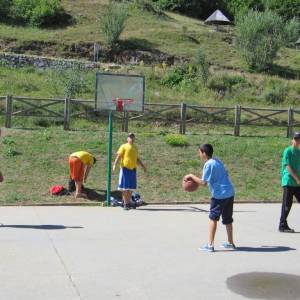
(265, 285)
(184, 209)
(44, 227)
(265, 249)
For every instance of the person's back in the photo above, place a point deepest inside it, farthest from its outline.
(218, 179)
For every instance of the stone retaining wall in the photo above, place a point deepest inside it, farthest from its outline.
(21, 60)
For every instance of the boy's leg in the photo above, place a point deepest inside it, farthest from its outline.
(214, 216)
(229, 233)
(287, 201)
(227, 218)
(78, 191)
(212, 228)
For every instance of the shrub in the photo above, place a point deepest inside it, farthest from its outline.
(5, 6)
(287, 9)
(42, 122)
(259, 36)
(202, 66)
(39, 12)
(7, 140)
(292, 32)
(173, 78)
(276, 92)
(149, 6)
(176, 140)
(223, 83)
(112, 22)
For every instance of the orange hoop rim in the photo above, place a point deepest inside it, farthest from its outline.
(125, 101)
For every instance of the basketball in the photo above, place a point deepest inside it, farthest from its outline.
(189, 185)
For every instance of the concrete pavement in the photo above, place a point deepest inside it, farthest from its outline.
(88, 253)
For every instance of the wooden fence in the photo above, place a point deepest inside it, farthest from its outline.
(181, 114)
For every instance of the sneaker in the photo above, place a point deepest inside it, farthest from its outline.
(228, 245)
(286, 229)
(132, 205)
(208, 248)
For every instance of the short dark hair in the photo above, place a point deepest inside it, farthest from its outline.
(131, 135)
(207, 149)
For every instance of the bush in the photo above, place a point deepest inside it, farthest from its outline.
(39, 13)
(149, 6)
(112, 22)
(276, 92)
(74, 82)
(173, 77)
(42, 122)
(292, 32)
(259, 36)
(237, 8)
(5, 6)
(223, 83)
(287, 9)
(176, 140)
(202, 66)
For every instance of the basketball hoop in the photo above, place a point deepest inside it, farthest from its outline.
(121, 103)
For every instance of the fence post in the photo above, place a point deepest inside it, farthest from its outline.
(67, 114)
(237, 120)
(8, 111)
(290, 122)
(125, 121)
(182, 118)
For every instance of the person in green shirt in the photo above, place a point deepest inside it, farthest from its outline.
(1, 175)
(290, 180)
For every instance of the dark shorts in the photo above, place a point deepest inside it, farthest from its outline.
(221, 207)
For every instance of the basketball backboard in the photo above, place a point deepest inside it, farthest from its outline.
(112, 89)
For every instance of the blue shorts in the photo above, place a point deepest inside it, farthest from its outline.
(127, 179)
(221, 207)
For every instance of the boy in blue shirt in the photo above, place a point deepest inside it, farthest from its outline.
(222, 191)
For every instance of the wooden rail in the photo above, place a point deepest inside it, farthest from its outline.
(180, 114)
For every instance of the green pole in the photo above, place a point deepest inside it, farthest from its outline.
(109, 155)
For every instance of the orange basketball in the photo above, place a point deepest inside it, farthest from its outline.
(189, 185)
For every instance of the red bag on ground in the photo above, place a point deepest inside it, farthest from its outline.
(58, 190)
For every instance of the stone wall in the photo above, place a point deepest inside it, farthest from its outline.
(21, 60)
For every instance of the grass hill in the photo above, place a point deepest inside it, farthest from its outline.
(173, 34)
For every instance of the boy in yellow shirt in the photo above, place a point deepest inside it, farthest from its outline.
(129, 159)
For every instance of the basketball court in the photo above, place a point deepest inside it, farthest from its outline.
(152, 252)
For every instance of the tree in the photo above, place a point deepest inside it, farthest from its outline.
(287, 9)
(259, 36)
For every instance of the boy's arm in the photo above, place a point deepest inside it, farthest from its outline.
(294, 175)
(196, 179)
(1, 177)
(141, 164)
(116, 161)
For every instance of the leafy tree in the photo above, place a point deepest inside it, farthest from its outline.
(287, 9)
(240, 7)
(259, 36)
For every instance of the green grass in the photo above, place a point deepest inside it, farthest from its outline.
(174, 34)
(34, 160)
